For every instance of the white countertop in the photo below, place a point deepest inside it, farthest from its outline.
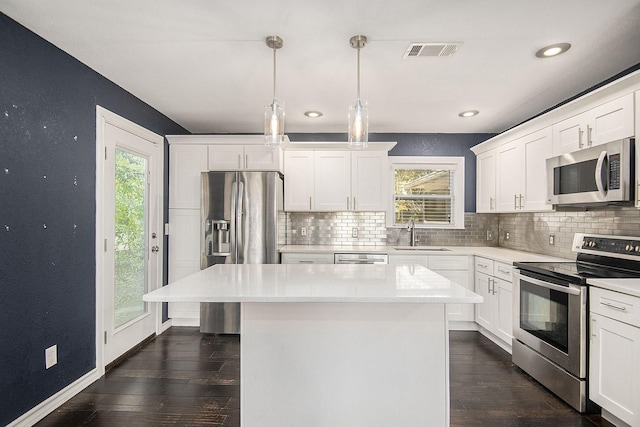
(626, 286)
(499, 254)
(410, 283)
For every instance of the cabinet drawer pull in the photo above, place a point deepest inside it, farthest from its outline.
(614, 306)
(502, 270)
(304, 261)
(483, 265)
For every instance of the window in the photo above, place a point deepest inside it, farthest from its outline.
(429, 190)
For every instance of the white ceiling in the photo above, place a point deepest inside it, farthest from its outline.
(204, 63)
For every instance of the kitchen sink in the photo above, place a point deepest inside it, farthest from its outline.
(420, 248)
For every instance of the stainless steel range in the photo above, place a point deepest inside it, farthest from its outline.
(551, 311)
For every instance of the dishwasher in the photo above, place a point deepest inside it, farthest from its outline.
(360, 258)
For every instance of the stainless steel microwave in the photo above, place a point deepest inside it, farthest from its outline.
(600, 174)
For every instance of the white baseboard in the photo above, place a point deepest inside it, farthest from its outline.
(506, 347)
(48, 406)
(463, 325)
(166, 325)
(182, 321)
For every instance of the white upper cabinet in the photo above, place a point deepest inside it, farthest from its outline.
(186, 162)
(335, 180)
(608, 122)
(521, 180)
(486, 182)
(369, 175)
(298, 181)
(244, 157)
(509, 158)
(332, 180)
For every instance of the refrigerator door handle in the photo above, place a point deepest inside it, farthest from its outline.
(240, 224)
(234, 223)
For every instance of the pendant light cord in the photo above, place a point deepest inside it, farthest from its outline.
(274, 73)
(358, 94)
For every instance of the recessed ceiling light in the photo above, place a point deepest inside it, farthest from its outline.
(553, 50)
(313, 114)
(469, 113)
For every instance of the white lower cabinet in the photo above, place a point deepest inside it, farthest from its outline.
(455, 268)
(614, 367)
(184, 260)
(495, 315)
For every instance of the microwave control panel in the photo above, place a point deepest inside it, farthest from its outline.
(614, 171)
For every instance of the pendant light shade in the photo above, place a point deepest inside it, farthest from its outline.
(274, 113)
(358, 111)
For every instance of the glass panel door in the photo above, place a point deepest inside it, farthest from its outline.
(131, 231)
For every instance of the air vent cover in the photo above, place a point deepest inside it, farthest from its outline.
(425, 50)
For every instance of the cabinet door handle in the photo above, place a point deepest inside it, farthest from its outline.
(310, 203)
(347, 202)
(239, 161)
(593, 327)
(491, 202)
(614, 306)
(354, 203)
(580, 132)
(589, 141)
(246, 161)
(515, 201)
(489, 285)
(521, 198)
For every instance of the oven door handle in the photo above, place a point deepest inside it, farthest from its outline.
(571, 289)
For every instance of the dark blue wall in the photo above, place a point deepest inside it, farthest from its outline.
(47, 212)
(432, 144)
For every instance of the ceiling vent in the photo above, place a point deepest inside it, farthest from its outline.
(425, 50)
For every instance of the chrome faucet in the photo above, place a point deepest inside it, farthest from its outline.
(411, 228)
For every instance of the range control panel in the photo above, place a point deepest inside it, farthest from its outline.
(627, 246)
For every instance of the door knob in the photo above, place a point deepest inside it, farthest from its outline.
(155, 248)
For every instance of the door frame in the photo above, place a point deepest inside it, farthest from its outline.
(104, 117)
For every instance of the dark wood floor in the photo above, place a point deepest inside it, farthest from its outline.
(183, 378)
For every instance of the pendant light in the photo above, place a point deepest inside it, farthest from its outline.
(358, 111)
(274, 113)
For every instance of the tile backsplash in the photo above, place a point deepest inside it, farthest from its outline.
(337, 228)
(530, 231)
(527, 231)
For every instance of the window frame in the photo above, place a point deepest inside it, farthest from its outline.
(455, 164)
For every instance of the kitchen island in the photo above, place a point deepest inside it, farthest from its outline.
(335, 345)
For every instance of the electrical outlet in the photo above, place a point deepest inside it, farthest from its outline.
(354, 232)
(489, 235)
(552, 239)
(507, 235)
(303, 231)
(51, 356)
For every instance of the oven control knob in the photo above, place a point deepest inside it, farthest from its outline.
(629, 248)
(592, 244)
(585, 243)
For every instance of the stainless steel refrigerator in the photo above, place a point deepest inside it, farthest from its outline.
(239, 226)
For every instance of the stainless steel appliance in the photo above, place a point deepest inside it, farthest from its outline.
(551, 309)
(598, 175)
(239, 226)
(360, 258)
